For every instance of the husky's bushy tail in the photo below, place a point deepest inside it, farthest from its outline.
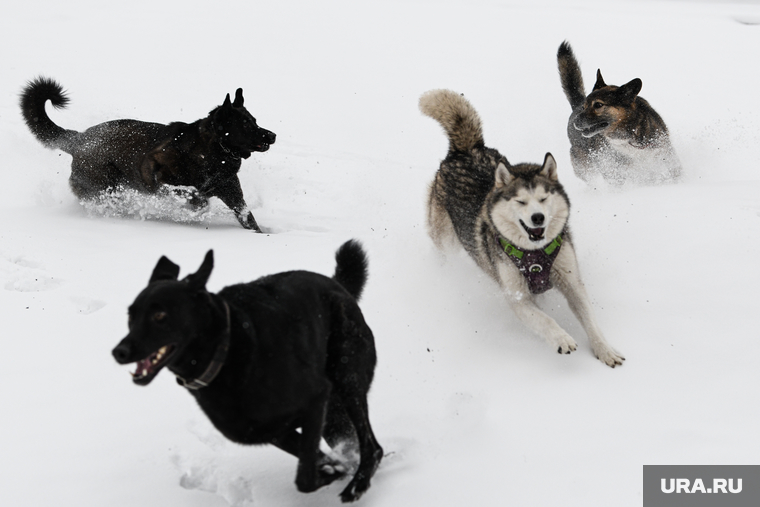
(33, 98)
(570, 75)
(457, 117)
(351, 268)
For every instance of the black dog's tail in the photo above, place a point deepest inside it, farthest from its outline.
(351, 268)
(33, 99)
(570, 75)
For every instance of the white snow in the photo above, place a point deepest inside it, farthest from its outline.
(471, 409)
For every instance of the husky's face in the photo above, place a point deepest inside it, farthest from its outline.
(606, 107)
(529, 207)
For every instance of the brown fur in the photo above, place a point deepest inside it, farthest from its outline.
(613, 131)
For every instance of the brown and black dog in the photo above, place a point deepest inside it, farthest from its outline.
(613, 132)
(152, 157)
(265, 358)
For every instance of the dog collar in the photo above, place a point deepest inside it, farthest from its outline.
(535, 265)
(216, 362)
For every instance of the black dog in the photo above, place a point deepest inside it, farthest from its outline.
(287, 351)
(131, 154)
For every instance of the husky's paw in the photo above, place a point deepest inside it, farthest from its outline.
(609, 357)
(565, 344)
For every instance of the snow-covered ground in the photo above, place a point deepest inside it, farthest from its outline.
(471, 408)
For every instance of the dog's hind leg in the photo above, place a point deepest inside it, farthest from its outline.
(369, 449)
(329, 469)
(350, 367)
(439, 225)
(311, 475)
(339, 430)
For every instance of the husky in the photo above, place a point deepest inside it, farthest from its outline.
(512, 220)
(613, 131)
(197, 160)
(262, 359)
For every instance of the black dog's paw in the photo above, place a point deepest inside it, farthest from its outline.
(328, 470)
(248, 222)
(355, 489)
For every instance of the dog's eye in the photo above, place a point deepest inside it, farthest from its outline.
(543, 200)
(521, 203)
(597, 105)
(159, 316)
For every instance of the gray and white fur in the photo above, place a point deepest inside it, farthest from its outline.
(477, 196)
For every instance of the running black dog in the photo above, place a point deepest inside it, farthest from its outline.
(152, 157)
(287, 351)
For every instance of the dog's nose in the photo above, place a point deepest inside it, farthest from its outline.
(538, 219)
(121, 353)
(270, 137)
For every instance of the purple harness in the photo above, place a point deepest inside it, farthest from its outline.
(535, 265)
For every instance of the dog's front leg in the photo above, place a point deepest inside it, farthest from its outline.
(567, 278)
(529, 313)
(231, 194)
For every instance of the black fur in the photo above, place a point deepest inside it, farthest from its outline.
(610, 119)
(300, 355)
(131, 154)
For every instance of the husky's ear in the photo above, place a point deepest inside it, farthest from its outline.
(599, 80)
(238, 98)
(164, 270)
(549, 169)
(197, 280)
(631, 89)
(503, 176)
(227, 102)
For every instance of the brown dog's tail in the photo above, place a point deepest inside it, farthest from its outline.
(351, 269)
(570, 75)
(457, 117)
(33, 99)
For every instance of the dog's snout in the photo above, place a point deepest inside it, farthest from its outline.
(538, 219)
(270, 137)
(122, 353)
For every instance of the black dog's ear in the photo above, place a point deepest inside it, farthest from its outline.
(227, 102)
(238, 98)
(164, 270)
(197, 280)
(631, 89)
(599, 80)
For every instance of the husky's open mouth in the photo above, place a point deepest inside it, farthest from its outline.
(261, 147)
(534, 233)
(149, 367)
(592, 130)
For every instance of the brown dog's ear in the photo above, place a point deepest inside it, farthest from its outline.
(599, 80)
(631, 89)
(227, 102)
(164, 270)
(238, 98)
(197, 280)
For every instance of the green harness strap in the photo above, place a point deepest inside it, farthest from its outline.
(512, 250)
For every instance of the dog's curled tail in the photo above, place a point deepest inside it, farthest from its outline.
(457, 117)
(351, 268)
(33, 98)
(570, 75)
